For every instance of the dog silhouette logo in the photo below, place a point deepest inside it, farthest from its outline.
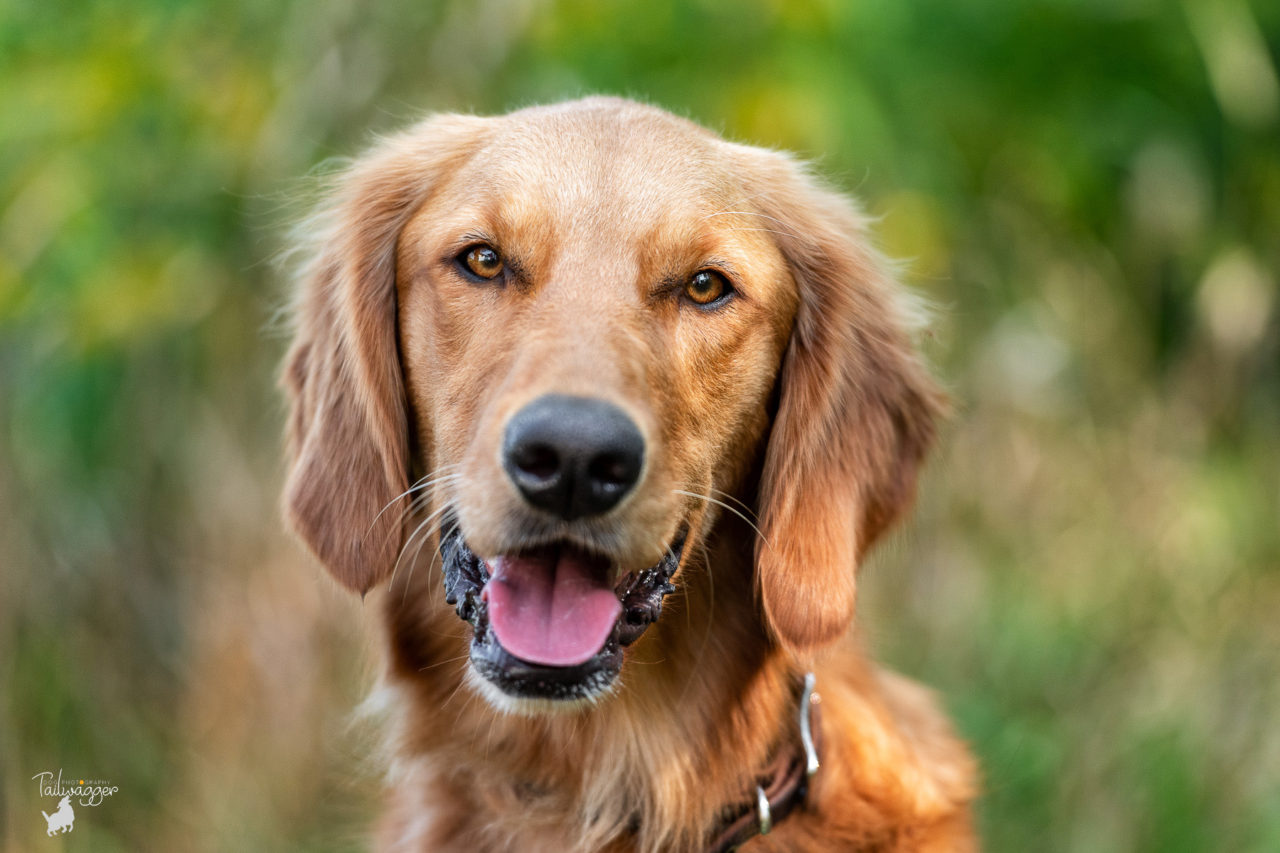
(63, 819)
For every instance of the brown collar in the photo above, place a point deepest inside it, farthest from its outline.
(781, 788)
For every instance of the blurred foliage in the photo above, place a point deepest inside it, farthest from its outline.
(1089, 190)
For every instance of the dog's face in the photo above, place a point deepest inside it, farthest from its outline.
(580, 315)
(590, 327)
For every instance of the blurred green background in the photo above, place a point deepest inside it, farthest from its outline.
(1089, 191)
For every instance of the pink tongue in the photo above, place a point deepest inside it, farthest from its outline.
(554, 610)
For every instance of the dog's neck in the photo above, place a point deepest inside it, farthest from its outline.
(639, 765)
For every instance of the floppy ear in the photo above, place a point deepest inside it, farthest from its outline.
(348, 429)
(856, 414)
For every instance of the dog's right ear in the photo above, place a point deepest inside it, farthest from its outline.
(348, 428)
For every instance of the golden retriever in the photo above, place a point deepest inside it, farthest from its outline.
(612, 408)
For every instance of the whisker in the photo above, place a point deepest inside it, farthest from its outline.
(743, 200)
(738, 501)
(443, 513)
(765, 231)
(462, 679)
(443, 536)
(711, 596)
(434, 478)
(784, 233)
(443, 662)
(688, 618)
(711, 614)
(442, 509)
(724, 505)
(741, 213)
(419, 484)
(409, 541)
(471, 698)
(711, 603)
(420, 501)
(449, 660)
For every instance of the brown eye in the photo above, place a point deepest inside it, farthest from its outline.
(483, 261)
(707, 287)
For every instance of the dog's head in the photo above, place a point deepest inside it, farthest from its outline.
(583, 332)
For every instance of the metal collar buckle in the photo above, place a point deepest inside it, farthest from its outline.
(805, 718)
(806, 725)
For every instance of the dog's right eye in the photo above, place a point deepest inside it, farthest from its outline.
(708, 288)
(482, 261)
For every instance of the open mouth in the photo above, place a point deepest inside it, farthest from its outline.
(551, 623)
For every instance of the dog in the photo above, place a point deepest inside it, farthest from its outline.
(61, 821)
(609, 409)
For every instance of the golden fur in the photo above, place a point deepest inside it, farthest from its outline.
(803, 403)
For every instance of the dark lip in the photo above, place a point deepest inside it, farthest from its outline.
(641, 594)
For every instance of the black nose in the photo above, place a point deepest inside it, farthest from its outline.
(572, 456)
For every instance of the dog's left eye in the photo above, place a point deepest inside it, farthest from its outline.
(708, 287)
(482, 261)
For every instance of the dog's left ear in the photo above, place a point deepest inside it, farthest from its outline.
(855, 416)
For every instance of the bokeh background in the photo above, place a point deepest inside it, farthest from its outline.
(1088, 191)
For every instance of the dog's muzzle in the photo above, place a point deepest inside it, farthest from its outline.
(560, 640)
